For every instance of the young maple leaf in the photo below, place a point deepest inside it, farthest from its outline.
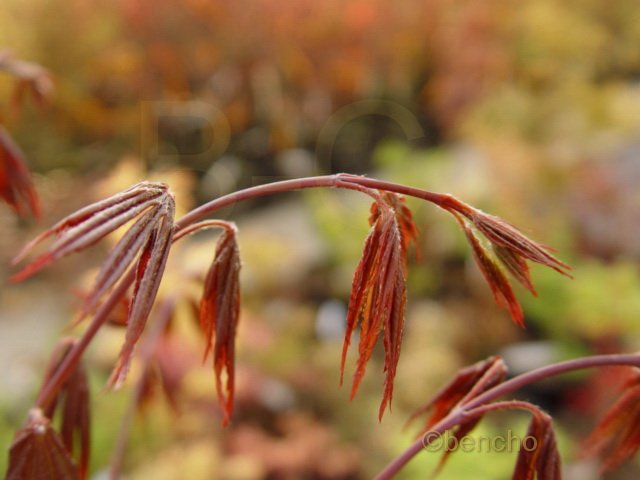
(510, 249)
(408, 229)
(219, 315)
(144, 248)
(495, 277)
(538, 458)
(148, 274)
(75, 414)
(90, 224)
(616, 438)
(16, 186)
(468, 383)
(516, 265)
(38, 452)
(502, 234)
(378, 293)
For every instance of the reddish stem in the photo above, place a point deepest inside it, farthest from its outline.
(194, 227)
(340, 180)
(447, 202)
(49, 391)
(480, 403)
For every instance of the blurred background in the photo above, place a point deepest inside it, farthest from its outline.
(528, 110)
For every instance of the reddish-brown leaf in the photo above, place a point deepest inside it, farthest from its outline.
(148, 275)
(149, 239)
(468, 383)
(495, 277)
(38, 453)
(361, 283)
(511, 249)
(516, 265)
(75, 411)
(122, 256)
(616, 438)
(538, 457)
(393, 331)
(499, 232)
(219, 315)
(404, 216)
(378, 294)
(90, 224)
(16, 186)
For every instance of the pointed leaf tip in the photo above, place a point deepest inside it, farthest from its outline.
(468, 383)
(538, 457)
(219, 315)
(90, 224)
(616, 437)
(148, 275)
(38, 452)
(378, 292)
(501, 233)
(495, 277)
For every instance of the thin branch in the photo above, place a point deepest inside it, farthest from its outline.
(228, 226)
(341, 180)
(50, 389)
(480, 402)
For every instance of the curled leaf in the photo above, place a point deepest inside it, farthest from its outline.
(510, 249)
(38, 452)
(148, 274)
(378, 293)
(538, 458)
(16, 186)
(495, 277)
(468, 383)
(616, 437)
(499, 232)
(74, 399)
(408, 229)
(516, 266)
(122, 256)
(219, 315)
(148, 240)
